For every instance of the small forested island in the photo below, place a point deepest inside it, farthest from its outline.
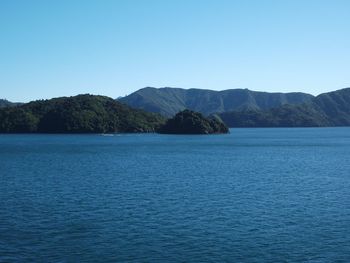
(190, 122)
(79, 114)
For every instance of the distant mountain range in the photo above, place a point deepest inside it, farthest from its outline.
(328, 109)
(245, 108)
(169, 101)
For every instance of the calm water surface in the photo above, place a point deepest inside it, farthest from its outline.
(255, 195)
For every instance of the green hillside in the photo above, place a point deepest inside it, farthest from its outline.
(79, 114)
(169, 101)
(328, 109)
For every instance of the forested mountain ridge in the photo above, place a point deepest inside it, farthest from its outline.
(169, 101)
(335, 105)
(327, 109)
(78, 114)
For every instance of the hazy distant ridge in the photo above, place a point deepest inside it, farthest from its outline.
(5, 103)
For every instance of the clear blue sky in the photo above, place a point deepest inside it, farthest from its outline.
(66, 47)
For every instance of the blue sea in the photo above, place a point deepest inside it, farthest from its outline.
(254, 195)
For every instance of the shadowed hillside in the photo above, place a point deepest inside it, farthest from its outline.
(6, 103)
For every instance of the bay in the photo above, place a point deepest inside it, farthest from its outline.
(254, 195)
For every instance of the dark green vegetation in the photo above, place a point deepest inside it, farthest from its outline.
(190, 122)
(99, 114)
(169, 101)
(328, 109)
(79, 114)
